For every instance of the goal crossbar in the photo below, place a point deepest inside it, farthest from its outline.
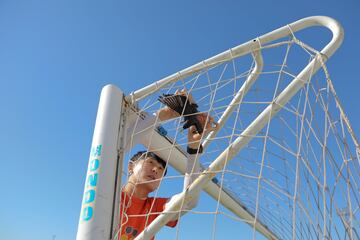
(248, 47)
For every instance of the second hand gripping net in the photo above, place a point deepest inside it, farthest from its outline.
(298, 177)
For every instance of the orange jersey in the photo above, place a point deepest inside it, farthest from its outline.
(136, 214)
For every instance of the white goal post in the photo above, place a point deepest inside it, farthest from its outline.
(246, 48)
(99, 212)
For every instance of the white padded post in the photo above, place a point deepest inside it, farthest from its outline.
(97, 205)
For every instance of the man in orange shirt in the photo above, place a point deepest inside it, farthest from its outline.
(146, 170)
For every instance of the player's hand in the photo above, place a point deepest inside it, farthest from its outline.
(194, 137)
(183, 92)
(167, 113)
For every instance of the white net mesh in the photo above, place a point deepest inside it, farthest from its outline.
(299, 176)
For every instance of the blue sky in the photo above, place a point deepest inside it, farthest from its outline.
(55, 56)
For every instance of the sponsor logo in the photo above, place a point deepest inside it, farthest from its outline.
(87, 209)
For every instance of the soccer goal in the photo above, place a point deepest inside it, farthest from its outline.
(284, 163)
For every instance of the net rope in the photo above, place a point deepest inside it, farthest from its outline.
(299, 176)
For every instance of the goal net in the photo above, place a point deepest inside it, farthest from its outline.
(284, 163)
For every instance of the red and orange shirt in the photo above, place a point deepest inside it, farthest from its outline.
(136, 214)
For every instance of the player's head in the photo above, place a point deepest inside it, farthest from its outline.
(146, 168)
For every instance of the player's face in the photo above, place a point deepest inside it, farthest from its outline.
(148, 173)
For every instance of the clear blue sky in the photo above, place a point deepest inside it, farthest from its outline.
(55, 56)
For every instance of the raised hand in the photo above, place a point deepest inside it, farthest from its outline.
(174, 107)
(194, 137)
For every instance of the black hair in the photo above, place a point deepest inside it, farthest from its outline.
(142, 155)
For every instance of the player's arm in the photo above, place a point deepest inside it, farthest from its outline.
(140, 127)
(194, 149)
(199, 125)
